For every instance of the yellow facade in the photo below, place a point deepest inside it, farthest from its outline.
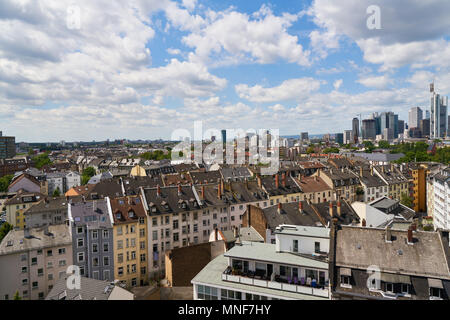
(15, 216)
(420, 191)
(138, 171)
(130, 251)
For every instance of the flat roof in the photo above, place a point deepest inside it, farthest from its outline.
(267, 252)
(212, 275)
(307, 231)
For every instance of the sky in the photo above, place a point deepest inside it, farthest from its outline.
(95, 70)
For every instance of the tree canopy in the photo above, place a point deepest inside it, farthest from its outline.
(4, 229)
(4, 182)
(41, 160)
(87, 174)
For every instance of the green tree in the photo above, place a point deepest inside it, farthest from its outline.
(310, 150)
(406, 200)
(4, 182)
(87, 174)
(331, 150)
(41, 160)
(56, 193)
(17, 296)
(4, 229)
(384, 144)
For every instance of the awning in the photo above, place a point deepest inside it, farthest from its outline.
(395, 278)
(346, 272)
(435, 283)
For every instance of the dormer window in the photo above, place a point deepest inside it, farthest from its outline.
(118, 215)
(436, 288)
(131, 214)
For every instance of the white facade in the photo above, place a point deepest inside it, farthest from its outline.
(300, 239)
(73, 179)
(441, 203)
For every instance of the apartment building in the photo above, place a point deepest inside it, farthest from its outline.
(130, 241)
(397, 183)
(344, 183)
(280, 189)
(373, 186)
(32, 260)
(314, 189)
(17, 205)
(401, 264)
(441, 199)
(92, 238)
(48, 211)
(258, 271)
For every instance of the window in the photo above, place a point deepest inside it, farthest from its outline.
(50, 276)
(24, 269)
(80, 242)
(95, 234)
(49, 253)
(62, 263)
(106, 247)
(23, 257)
(41, 295)
(195, 227)
(133, 242)
(207, 293)
(175, 236)
(155, 235)
(40, 272)
(120, 271)
(120, 258)
(175, 224)
(95, 262)
(167, 219)
(79, 230)
(142, 257)
(230, 295)
(295, 246)
(142, 244)
(389, 287)
(167, 233)
(132, 229)
(345, 281)
(119, 244)
(317, 247)
(435, 292)
(133, 282)
(62, 251)
(24, 281)
(106, 261)
(133, 255)
(119, 231)
(35, 284)
(143, 270)
(33, 261)
(106, 275)
(95, 247)
(105, 234)
(141, 220)
(405, 288)
(142, 232)
(133, 268)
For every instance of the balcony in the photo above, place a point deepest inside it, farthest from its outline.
(278, 283)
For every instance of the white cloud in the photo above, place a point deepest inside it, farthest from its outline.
(378, 82)
(292, 89)
(337, 84)
(262, 39)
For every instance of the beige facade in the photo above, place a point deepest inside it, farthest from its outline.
(31, 266)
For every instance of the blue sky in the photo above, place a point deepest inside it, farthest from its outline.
(141, 69)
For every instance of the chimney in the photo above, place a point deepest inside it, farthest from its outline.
(331, 209)
(283, 180)
(318, 173)
(222, 186)
(410, 235)
(300, 207)
(158, 191)
(363, 222)
(203, 192)
(277, 184)
(235, 232)
(216, 234)
(339, 208)
(371, 170)
(279, 207)
(219, 191)
(388, 234)
(179, 190)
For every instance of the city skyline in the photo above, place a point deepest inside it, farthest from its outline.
(163, 65)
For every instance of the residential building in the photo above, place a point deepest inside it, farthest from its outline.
(280, 189)
(314, 189)
(92, 238)
(48, 211)
(441, 199)
(73, 179)
(343, 182)
(381, 211)
(257, 271)
(28, 183)
(397, 183)
(56, 182)
(131, 251)
(11, 166)
(17, 205)
(388, 264)
(32, 260)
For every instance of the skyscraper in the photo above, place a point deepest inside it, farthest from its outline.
(224, 136)
(355, 129)
(7, 147)
(368, 129)
(401, 126)
(304, 137)
(438, 117)
(415, 115)
(339, 138)
(424, 126)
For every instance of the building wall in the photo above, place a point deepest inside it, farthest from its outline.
(306, 245)
(123, 253)
(53, 267)
(15, 214)
(419, 181)
(25, 184)
(255, 218)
